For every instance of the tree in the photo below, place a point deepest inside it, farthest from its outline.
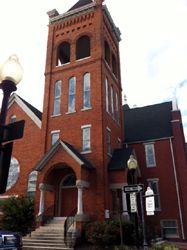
(18, 214)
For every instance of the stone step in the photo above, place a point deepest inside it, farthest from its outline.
(45, 236)
(60, 241)
(48, 237)
(45, 248)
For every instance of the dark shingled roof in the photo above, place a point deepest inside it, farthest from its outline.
(147, 123)
(80, 3)
(80, 156)
(119, 158)
(49, 154)
(32, 108)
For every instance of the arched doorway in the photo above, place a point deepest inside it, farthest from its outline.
(68, 196)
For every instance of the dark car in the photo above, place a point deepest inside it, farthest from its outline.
(10, 240)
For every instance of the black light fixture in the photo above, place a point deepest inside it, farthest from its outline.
(132, 165)
(11, 73)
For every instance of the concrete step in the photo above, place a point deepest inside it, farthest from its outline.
(45, 248)
(48, 237)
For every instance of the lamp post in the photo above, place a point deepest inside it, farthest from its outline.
(11, 73)
(132, 167)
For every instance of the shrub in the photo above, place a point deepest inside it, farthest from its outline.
(107, 233)
(18, 214)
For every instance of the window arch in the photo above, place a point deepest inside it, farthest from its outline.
(107, 53)
(57, 96)
(83, 47)
(12, 118)
(31, 188)
(86, 91)
(63, 53)
(69, 181)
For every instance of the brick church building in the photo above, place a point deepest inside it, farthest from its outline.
(73, 156)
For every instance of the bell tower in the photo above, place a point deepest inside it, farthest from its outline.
(82, 100)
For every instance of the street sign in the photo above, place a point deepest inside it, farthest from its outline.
(149, 201)
(133, 188)
(133, 203)
(12, 131)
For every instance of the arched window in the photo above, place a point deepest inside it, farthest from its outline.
(14, 172)
(107, 101)
(69, 181)
(114, 65)
(83, 47)
(107, 53)
(71, 95)
(117, 108)
(63, 53)
(112, 101)
(31, 188)
(86, 91)
(57, 96)
(13, 118)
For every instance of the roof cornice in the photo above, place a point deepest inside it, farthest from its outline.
(72, 12)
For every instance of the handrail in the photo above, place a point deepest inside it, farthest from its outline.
(47, 215)
(69, 221)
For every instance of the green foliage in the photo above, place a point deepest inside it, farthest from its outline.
(18, 214)
(107, 233)
(165, 246)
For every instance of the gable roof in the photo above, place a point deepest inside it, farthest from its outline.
(70, 149)
(119, 158)
(30, 110)
(79, 4)
(147, 123)
(37, 112)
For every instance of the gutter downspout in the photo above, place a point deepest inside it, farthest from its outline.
(177, 190)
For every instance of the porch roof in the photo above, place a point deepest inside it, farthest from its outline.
(119, 158)
(70, 149)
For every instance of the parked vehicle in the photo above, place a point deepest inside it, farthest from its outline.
(10, 240)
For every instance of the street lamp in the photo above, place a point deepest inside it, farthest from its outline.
(11, 73)
(132, 165)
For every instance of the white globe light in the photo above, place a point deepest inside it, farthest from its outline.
(11, 70)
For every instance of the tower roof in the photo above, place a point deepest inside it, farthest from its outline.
(80, 3)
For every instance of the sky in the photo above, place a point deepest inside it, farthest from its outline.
(153, 47)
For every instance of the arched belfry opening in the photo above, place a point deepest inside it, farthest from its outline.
(63, 53)
(83, 47)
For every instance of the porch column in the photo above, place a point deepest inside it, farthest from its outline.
(80, 201)
(124, 204)
(80, 185)
(42, 198)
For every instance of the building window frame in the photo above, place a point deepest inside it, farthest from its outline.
(153, 183)
(32, 180)
(112, 100)
(71, 94)
(170, 225)
(150, 154)
(55, 135)
(86, 91)
(57, 98)
(107, 94)
(86, 138)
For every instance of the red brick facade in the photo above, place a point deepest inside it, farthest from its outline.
(74, 181)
